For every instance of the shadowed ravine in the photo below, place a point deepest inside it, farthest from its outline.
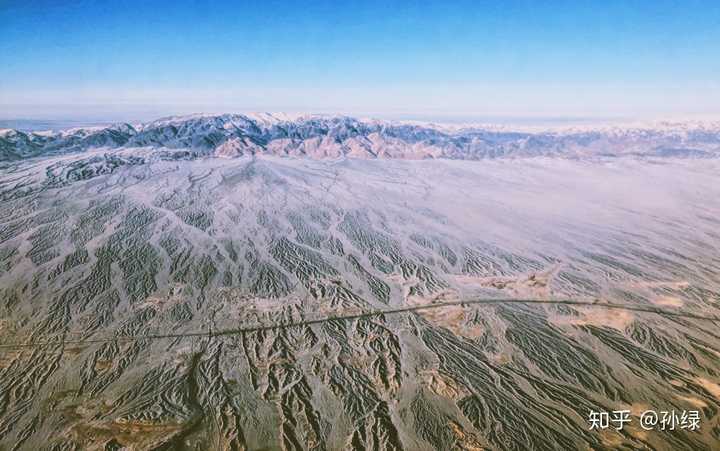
(281, 303)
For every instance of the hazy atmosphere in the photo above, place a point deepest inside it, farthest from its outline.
(464, 60)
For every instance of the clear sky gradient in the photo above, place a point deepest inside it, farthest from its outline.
(140, 59)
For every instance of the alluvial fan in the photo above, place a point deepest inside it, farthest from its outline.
(95, 248)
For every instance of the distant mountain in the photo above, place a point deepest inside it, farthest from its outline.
(231, 135)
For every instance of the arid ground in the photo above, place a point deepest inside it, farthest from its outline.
(98, 250)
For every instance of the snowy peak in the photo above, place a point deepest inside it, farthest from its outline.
(316, 136)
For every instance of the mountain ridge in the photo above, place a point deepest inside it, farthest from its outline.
(328, 136)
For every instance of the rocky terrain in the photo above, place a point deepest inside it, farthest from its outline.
(127, 253)
(336, 136)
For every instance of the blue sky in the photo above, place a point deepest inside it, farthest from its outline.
(124, 59)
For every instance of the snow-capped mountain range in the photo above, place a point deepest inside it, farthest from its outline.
(314, 136)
